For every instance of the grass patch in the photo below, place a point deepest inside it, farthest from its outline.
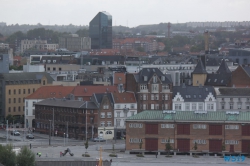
(85, 155)
(112, 155)
(139, 155)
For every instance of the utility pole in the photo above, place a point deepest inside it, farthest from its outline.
(67, 132)
(7, 128)
(86, 127)
(13, 131)
(53, 127)
(49, 131)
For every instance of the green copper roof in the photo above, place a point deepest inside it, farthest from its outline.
(192, 116)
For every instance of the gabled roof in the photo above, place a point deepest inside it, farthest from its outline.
(193, 93)
(149, 72)
(45, 92)
(125, 97)
(223, 69)
(67, 103)
(119, 78)
(218, 79)
(99, 97)
(246, 69)
(179, 116)
(232, 91)
(89, 90)
(199, 69)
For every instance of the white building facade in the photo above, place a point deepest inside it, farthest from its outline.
(29, 115)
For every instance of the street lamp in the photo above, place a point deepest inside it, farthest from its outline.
(64, 139)
(49, 131)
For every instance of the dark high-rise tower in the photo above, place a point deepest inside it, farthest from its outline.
(100, 31)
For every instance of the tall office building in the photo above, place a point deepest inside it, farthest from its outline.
(100, 31)
(4, 63)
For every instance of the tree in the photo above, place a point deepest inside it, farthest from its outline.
(195, 147)
(26, 157)
(7, 155)
(83, 32)
(223, 147)
(86, 145)
(9, 118)
(168, 147)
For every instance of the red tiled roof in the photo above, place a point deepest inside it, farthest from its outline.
(89, 90)
(45, 92)
(125, 97)
(119, 78)
(17, 58)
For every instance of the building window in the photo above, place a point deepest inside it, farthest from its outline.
(152, 96)
(200, 106)
(102, 114)
(232, 142)
(33, 104)
(19, 100)
(9, 100)
(135, 125)
(164, 140)
(223, 106)
(144, 97)
(167, 125)
(24, 91)
(215, 129)
(14, 100)
(157, 97)
(194, 106)
(43, 82)
(135, 140)
(118, 106)
(9, 92)
(19, 109)
(143, 87)
(155, 87)
(109, 123)
(14, 91)
(165, 97)
(152, 106)
(19, 91)
(165, 106)
(105, 107)
(118, 114)
(210, 106)
(199, 126)
(177, 107)
(132, 106)
(109, 115)
(144, 106)
(239, 106)
(165, 87)
(187, 106)
(27, 104)
(102, 124)
(154, 79)
(157, 106)
(132, 113)
(199, 141)
(28, 91)
(26, 111)
(231, 106)
(14, 109)
(232, 127)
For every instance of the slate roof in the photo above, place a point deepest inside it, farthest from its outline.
(199, 69)
(27, 76)
(99, 97)
(193, 93)
(67, 103)
(149, 72)
(246, 69)
(179, 116)
(223, 69)
(215, 79)
(232, 91)
(45, 92)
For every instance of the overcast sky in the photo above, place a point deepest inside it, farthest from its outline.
(124, 12)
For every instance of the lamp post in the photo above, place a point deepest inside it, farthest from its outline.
(7, 131)
(49, 132)
(86, 126)
(53, 127)
(63, 139)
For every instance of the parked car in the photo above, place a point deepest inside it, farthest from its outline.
(15, 133)
(30, 136)
(99, 139)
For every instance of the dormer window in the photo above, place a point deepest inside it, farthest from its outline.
(49, 61)
(163, 78)
(145, 78)
(54, 61)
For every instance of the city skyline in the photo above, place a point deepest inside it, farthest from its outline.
(129, 13)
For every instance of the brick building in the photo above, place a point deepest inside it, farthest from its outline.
(241, 76)
(152, 88)
(70, 116)
(210, 130)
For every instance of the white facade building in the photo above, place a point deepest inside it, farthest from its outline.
(193, 98)
(29, 114)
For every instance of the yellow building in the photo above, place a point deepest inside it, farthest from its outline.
(199, 74)
(14, 87)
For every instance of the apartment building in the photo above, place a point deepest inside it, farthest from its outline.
(211, 131)
(15, 87)
(37, 45)
(72, 118)
(75, 43)
(152, 88)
